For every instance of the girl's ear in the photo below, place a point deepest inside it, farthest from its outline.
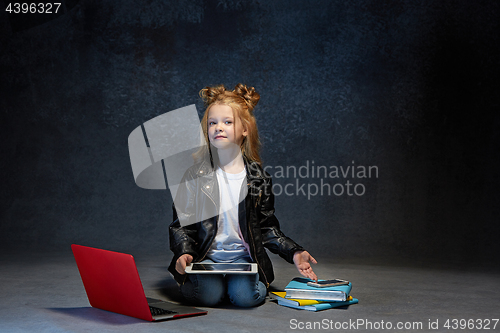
(245, 128)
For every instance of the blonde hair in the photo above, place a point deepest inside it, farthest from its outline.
(242, 100)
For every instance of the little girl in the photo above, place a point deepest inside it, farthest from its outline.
(244, 223)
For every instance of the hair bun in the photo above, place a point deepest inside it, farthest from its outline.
(249, 94)
(209, 94)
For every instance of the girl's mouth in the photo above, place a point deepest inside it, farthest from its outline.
(220, 137)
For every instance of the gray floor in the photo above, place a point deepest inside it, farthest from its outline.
(44, 293)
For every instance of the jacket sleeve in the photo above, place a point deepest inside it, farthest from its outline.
(181, 242)
(182, 238)
(272, 236)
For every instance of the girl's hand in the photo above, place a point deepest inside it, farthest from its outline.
(182, 262)
(301, 260)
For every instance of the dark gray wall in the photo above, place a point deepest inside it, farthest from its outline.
(408, 86)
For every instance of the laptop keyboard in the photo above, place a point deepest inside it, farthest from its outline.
(158, 311)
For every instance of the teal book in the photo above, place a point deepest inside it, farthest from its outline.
(320, 306)
(298, 288)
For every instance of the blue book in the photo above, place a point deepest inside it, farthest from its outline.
(298, 288)
(320, 306)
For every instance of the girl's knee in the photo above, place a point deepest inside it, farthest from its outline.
(245, 291)
(204, 290)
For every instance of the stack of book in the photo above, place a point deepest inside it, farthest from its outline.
(299, 295)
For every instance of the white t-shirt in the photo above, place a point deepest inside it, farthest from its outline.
(228, 245)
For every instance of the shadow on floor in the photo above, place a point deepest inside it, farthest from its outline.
(97, 315)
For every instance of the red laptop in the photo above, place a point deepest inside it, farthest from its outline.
(112, 283)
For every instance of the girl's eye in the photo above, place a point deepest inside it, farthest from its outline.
(211, 123)
(228, 122)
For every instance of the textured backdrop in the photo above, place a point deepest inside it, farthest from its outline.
(406, 87)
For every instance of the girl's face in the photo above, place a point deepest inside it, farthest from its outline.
(223, 131)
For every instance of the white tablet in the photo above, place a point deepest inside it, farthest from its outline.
(222, 268)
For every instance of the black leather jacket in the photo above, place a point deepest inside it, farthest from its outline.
(259, 226)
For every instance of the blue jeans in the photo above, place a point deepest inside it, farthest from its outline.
(244, 290)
